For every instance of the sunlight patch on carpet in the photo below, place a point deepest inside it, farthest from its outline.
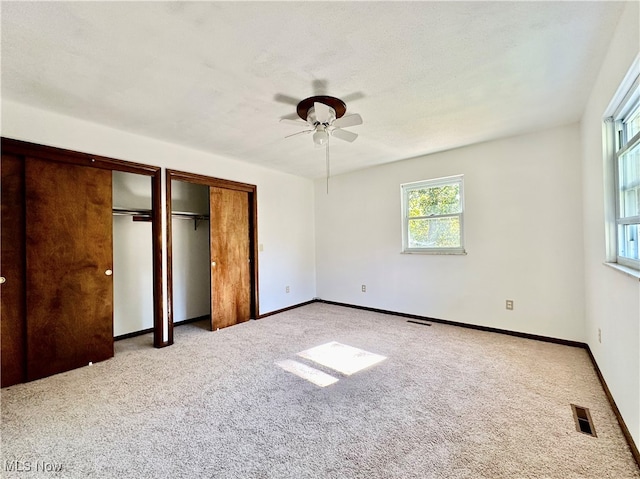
(342, 358)
(306, 372)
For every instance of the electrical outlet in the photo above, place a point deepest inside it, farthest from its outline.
(364, 288)
(510, 304)
(287, 289)
(599, 335)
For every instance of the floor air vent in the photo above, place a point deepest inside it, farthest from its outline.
(417, 322)
(584, 423)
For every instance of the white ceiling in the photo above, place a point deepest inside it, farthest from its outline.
(218, 76)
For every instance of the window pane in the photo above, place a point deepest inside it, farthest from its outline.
(434, 233)
(629, 182)
(628, 241)
(632, 124)
(437, 200)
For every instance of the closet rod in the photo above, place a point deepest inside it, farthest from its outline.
(189, 216)
(196, 217)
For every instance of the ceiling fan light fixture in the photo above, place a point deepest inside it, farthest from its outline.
(320, 137)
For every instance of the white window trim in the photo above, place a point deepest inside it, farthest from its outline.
(405, 188)
(621, 260)
(619, 107)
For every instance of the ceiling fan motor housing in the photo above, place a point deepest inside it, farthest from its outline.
(337, 105)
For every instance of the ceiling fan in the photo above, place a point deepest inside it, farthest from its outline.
(324, 116)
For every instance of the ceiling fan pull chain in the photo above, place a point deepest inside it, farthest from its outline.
(328, 170)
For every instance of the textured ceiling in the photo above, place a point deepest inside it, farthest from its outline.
(218, 76)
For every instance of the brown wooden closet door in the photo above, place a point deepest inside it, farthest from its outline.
(69, 260)
(12, 304)
(230, 268)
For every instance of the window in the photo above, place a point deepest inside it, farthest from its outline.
(432, 216)
(626, 139)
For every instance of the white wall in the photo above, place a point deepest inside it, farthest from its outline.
(285, 202)
(131, 191)
(189, 197)
(132, 276)
(191, 270)
(613, 298)
(523, 228)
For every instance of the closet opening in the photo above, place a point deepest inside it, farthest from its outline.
(190, 229)
(211, 251)
(133, 300)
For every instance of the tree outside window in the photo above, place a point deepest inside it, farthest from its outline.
(432, 216)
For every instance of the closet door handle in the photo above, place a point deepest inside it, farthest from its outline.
(108, 272)
(3, 280)
(213, 263)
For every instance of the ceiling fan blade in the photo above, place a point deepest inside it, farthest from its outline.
(348, 120)
(299, 123)
(322, 112)
(299, 133)
(291, 116)
(356, 95)
(344, 135)
(289, 100)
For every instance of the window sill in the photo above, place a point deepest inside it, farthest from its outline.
(634, 273)
(453, 253)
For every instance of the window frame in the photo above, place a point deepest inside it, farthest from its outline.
(621, 143)
(405, 188)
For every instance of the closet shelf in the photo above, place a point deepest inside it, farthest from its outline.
(146, 215)
(138, 215)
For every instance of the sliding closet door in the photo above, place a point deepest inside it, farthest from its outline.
(230, 255)
(68, 269)
(12, 308)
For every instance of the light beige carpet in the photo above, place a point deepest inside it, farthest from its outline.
(445, 402)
